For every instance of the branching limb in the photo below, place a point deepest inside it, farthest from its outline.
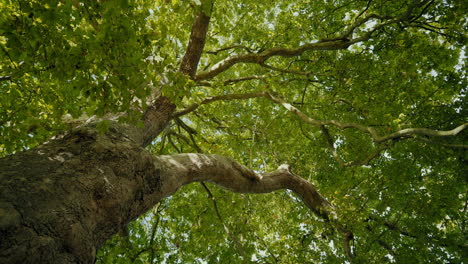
(422, 132)
(425, 8)
(364, 10)
(181, 169)
(403, 133)
(155, 227)
(349, 32)
(389, 20)
(225, 172)
(394, 227)
(260, 58)
(342, 42)
(431, 29)
(190, 131)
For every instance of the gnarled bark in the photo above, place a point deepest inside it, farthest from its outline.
(61, 201)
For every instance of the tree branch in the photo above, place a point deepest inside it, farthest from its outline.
(267, 248)
(227, 97)
(234, 238)
(408, 132)
(349, 32)
(181, 169)
(367, 129)
(156, 118)
(196, 44)
(338, 43)
(260, 58)
(230, 47)
(364, 10)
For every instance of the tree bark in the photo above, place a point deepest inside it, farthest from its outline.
(61, 201)
(196, 44)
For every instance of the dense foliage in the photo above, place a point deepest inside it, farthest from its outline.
(405, 199)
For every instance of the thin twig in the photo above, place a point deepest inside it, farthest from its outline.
(230, 47)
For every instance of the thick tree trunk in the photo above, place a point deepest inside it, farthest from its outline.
(62, 200)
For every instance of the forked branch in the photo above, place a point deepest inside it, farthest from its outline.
(260, 58)
(341, 42)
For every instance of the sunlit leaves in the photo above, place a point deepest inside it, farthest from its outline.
(408, 204)
(76, 57)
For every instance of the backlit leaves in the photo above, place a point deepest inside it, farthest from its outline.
(407, 205)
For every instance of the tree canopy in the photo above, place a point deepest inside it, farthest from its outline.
(366, 99)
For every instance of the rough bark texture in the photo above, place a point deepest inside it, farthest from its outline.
(155, 119)
(196, 43)
(61, 201)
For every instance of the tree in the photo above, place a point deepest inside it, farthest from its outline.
(109, 107)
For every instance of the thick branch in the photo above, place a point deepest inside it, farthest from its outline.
(260, 58)
(341, 42)
(182, 169)
(196, 44)
(155, 119)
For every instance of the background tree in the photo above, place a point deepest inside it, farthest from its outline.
(366, 99)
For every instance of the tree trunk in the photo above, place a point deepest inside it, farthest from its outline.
(62, 200)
